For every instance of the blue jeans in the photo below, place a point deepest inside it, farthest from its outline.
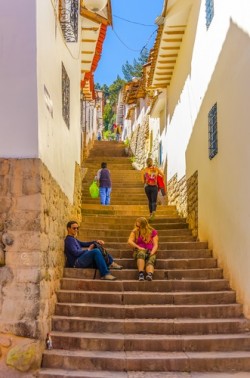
(151, 192)
(104, 195)
(92, 259)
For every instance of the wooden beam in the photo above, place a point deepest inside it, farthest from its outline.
(168, 67)
(173, 40)
(87, 52)
(90, 29)
(164, 73)
(88, 40)
(174, 32)
(162, 85)
(171, 48)
(163, 78)
(169, 61)
(169, 56)
(94, 16)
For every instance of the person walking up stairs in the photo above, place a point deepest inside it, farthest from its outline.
(184, 323)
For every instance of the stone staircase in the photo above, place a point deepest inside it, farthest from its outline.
(184, 323)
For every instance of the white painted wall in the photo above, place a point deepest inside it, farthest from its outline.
(213, 66)
(18, 98)
(32, 51)
(59, 146)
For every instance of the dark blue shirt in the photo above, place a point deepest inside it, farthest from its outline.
(73, 249)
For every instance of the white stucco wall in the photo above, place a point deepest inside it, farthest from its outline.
(32, 52)
(213, 66)
(59, 146)
(18, 98)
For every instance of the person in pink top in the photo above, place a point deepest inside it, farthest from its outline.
(144, 240)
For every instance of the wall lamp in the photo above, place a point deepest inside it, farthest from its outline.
(95, 5)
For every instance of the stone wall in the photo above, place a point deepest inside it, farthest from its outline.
(139, 143)
(184, 195)
(33, 216)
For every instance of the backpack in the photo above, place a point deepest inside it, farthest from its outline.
(151, 176)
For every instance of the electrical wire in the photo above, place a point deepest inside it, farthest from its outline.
(129, 48)
(124, 44)
(132, 22)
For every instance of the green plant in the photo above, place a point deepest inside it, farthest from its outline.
(108, 135)
(132, 159)
(126, 142)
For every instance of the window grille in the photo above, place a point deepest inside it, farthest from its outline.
(65, 96)
(209, 12)
(212, 132)
(68, 15)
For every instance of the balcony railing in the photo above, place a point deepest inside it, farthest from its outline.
(68, 15)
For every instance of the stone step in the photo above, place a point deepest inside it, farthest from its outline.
(148, 361)
(59, 373)
(142, 297)
(166, 211)
(113, 232)
(90, 169)
(91, 235)
(133, 192)
(167, 311)
(163, 254)
(128, 210)
(117, 201)
(123, 341)
(129, 221)
(154, 286)
(150, 327)
(172, 264)
(159, 274)
(101, 225)
(117, 173)
(173, 244)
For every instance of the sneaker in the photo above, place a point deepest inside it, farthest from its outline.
(149, 276)
(141, 276)
(151, 216)
(114, 265)
(108, 277)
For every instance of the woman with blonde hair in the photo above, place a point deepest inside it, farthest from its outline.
(149, 178)
(144, 240)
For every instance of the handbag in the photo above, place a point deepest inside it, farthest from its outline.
(161, 185)
(104, 252)
(94, 190)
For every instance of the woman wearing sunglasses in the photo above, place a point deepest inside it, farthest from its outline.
(144, 240)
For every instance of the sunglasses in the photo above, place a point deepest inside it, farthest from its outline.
(75, 228)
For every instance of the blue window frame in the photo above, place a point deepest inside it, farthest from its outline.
(209, 12)
(212, 132)
(160, 153)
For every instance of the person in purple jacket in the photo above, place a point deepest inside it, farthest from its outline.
(85, 254)
(105, 185)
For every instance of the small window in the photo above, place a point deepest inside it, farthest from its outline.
(212, 132)
(65, 96)
(209, 12)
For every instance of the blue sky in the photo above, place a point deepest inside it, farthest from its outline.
(115, 53)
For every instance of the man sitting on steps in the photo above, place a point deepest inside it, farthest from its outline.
(86, 254)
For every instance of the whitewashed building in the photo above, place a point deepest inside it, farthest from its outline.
(200, 69)
(49, 52)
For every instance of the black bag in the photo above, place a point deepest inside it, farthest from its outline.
(104, 252)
